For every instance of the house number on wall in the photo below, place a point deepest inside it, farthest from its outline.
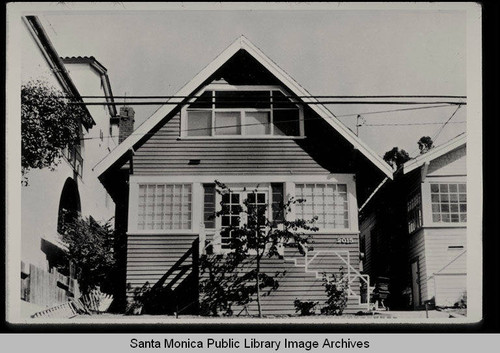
(345, 240)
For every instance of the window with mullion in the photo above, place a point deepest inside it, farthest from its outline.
(164, 207)
(449, 202)
(231, 209)
(414, 212)
(243, 113)
(328, 202)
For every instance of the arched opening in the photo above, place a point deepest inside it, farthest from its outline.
(69, 204)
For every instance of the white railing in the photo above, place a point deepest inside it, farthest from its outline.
(351, 275)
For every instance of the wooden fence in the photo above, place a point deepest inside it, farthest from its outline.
(46, 288)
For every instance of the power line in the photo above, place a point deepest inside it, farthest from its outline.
(283, 121)
(256, 102)
(284, 96)
(447, 121)
(411, 124)
(392, 110)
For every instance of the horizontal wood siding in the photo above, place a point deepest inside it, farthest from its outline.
(165, 154)
(296, 283)
(439, 254)
(149, 257)
(417, 251)
(452, 163)
(450, 289)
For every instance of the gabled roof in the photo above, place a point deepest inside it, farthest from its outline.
(242, 43)
(55, 63)
(435, 153)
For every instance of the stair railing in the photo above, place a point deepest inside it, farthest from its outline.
(351, 275)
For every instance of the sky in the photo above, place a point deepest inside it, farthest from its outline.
(329, 52)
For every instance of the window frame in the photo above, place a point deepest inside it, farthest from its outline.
(348, 208)
(134, 217)
(243, 135)
(427, 203)
(417, 192)
(232, 180)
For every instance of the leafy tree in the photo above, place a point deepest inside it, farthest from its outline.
(48, 125)
(224, 280)
(90, 249)
(425, 144)
(396, 157)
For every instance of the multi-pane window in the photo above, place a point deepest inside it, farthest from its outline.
(414, 211)
(233, 204)
(209, 195)
(449, 202)
(164, 206)
(257, 206)
(231, 209)
(278, 200)
(243, 113)
(326, 201)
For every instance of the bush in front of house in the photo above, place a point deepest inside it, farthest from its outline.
(305, 308)
(336, 290)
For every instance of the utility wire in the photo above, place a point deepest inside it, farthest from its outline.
(255, 102)
(392, 110)
(267, 96)
(447, 122)
(412, 124)
(433, 138)
(283, 121)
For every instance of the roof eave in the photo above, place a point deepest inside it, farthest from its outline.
(435, 153)
(55, 62)
(242, 43)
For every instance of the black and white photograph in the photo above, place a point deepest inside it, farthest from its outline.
(244, 163)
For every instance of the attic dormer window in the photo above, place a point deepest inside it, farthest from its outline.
(249, 111)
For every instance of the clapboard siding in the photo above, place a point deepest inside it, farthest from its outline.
(150, 257)
(452, 163)
(417, 251)
(438, 253)
(450, 288)
(296, 283)
(164, 153)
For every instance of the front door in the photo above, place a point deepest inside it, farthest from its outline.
(234, 202)
(415, 284)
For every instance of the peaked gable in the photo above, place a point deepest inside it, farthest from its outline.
(436, 153)
(242, 43)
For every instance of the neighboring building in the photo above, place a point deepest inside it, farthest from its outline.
(243, 121)
(413, 230)
(73, 185)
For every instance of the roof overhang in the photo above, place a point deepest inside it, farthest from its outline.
(191, 87)
(102, 71)
(55, 63)
(435, 153)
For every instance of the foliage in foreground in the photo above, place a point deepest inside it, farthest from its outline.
(236, 278)
(90, 249)
(336, 302)
(48, 125)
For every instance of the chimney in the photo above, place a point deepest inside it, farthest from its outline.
(126, 123)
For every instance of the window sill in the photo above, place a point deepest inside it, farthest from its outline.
(241, 137)
(445, 225)
(162, 232)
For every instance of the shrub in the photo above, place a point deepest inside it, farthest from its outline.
(306, 308)
(90, 249)
(336, 291)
